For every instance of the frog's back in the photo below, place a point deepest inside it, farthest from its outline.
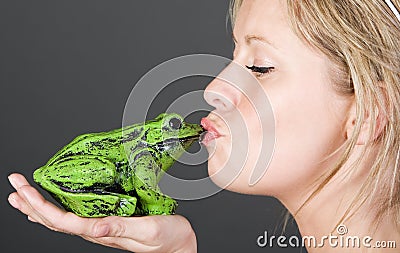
(105, 144)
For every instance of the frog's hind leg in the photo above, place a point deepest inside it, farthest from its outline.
(151, 200)
(82, 185)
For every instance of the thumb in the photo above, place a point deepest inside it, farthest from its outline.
(148, 230)
(110, 227)
(171, 232)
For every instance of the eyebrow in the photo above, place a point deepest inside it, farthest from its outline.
(249, 38)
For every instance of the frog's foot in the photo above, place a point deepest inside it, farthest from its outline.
(87, 186)
(152, 201)
(166, 206)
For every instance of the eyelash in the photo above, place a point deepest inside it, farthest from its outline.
(260, 71)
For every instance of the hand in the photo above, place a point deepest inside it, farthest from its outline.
(158, 233)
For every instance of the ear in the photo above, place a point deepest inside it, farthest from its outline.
(364, 137)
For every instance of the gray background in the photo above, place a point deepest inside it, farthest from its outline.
(67, 68)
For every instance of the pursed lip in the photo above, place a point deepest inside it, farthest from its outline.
(211, 131)
(209, 127)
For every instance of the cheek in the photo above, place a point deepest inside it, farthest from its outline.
(309, 128)
(236, 155)
(228, 164)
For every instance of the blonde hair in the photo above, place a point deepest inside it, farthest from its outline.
(361, 38)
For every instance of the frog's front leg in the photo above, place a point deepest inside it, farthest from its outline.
(86, 186)
(147, 174)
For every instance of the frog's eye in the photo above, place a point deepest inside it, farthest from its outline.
(175, 123)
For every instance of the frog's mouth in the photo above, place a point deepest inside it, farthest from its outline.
(172, 143)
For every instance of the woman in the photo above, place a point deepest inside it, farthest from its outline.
(331, 72)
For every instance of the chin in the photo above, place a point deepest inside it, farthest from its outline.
(223, 176)
(232, 172)
(218, 157)
(239, 184)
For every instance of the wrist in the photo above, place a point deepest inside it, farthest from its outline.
(189, 245)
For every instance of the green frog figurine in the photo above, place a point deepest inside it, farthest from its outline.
(116, 173)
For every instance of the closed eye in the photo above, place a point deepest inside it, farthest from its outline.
(260, 71)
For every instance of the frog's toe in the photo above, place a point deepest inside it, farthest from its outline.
(166, 206)
(127, 206)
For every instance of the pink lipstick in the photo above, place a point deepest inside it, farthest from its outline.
(211, 132)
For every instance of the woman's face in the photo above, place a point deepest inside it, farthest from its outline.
(309, 116)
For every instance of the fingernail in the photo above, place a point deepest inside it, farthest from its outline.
(102, 230)
(13, 202)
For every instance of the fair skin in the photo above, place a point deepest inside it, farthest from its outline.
(311, 121)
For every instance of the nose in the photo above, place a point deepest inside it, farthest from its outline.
(222, 95)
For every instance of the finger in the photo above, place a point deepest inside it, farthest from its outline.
(158, 233)
(40, 210)
(14, 200)
(149, 230)
(52, 216)
(17, 180)
(28, 195)
(142, 229)
(46, 213)
(19, 203)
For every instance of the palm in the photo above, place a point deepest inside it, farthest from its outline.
(166, 233)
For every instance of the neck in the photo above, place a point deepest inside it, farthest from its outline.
(322, 215)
